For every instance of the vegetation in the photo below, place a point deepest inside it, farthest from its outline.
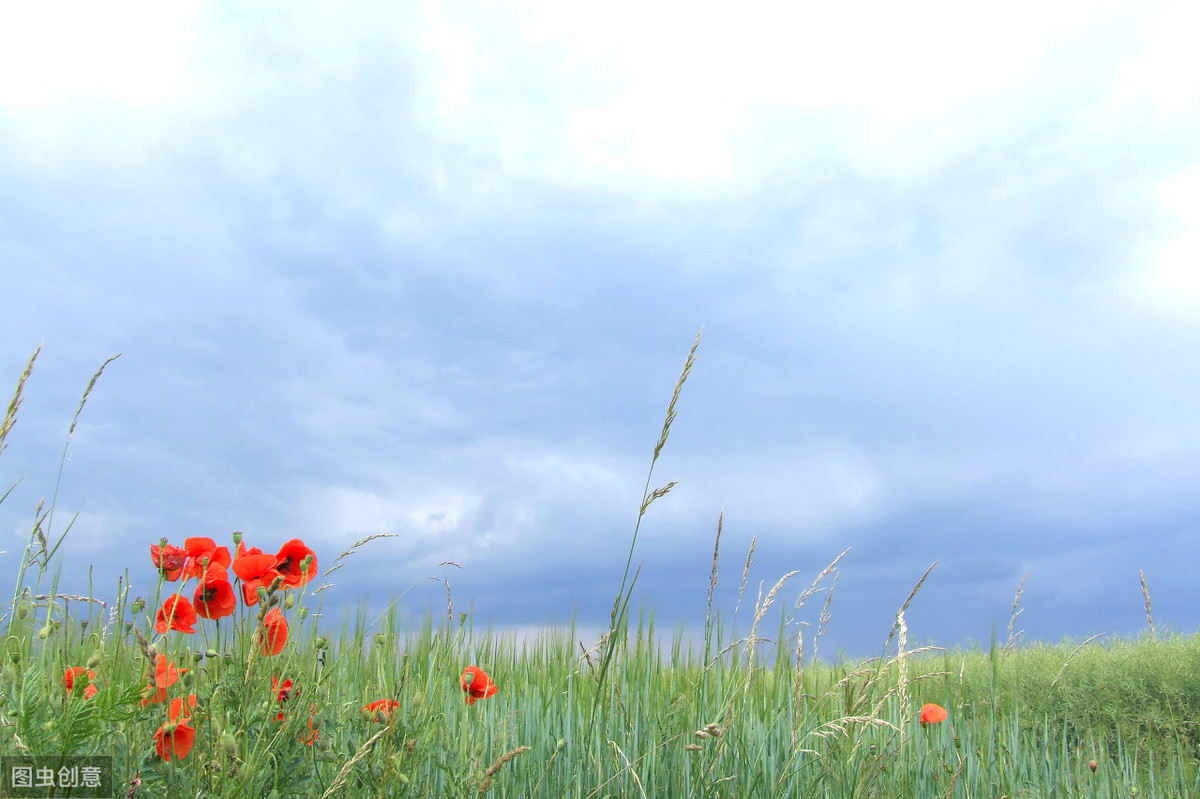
(255, 702)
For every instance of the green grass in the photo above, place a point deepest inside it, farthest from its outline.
(637, 713)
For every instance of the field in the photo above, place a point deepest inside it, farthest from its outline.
(220, 685)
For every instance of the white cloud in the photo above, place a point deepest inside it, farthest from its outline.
(1164, 72)
(61, 52)
(1175, 275)
(684, 91)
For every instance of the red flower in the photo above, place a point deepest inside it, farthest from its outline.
(165, 675)
(1092, 765)
(74, 673)
(274, 633)
(201, 550)
(176, 613)
(214, 596)
(311, 738)
(382, 708)
(283, 691)
(168, 560)
(255, 569)
(477, 684)
(932, 714)
(290, 563)
(176, 737)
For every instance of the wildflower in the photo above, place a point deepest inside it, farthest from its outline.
(382, 709)
(203, 555)
(255, 569)
(932, 714)
(311, 738)
(176, 737)
(274, 632)
(168, 560)
(477, 684)
(176, 613)
(296, 562)
(283, 688)
(74, 673)
(214, 597)
(1092, 765)
(283, 691)
(165, 675)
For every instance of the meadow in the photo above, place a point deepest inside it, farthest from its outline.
(220, 683)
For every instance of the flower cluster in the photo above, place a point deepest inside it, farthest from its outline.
(214, 597)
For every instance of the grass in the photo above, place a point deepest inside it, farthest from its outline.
(750, 712)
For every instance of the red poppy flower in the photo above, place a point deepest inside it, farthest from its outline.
(168, 560)
(932, 714)
(214, 597)
(311, 737)
(283, 691)
(176, 613)
(255, 569)
(274, 633)
(204, 555)
(74, 673)
(165, 675)
(477, 684)
(382, 708)
(290, 563)
(177, 736)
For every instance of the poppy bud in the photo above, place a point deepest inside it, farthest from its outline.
(44, 633)
(302, 612)
(1092, 765)
(262, 594)
(188, 679)
(289, 601)
(237, 538)
(229, 744)
(211, 653)
(561, 745)
(306, 564)
(320, 643)
(23, 610)
(15, 657)
(137, 605)
(93, 661)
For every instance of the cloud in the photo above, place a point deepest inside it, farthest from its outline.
(433, 271)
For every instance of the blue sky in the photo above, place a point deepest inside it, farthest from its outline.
(433, 269)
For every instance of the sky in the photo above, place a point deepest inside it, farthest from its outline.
(433, 269)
